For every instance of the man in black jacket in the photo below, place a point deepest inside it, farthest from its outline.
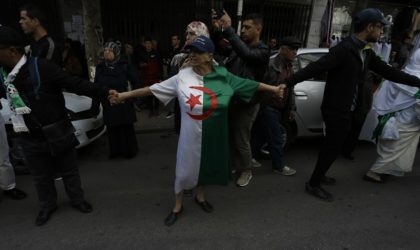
(347, 65)
(45, 153)
(248, 58)
(32, 21)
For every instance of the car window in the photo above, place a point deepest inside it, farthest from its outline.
(304, 59)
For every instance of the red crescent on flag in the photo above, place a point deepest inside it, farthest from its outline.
(212, 108)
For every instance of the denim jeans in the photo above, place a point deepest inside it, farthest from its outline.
(276, 135)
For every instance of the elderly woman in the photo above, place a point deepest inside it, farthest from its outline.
(204, 92)
(114, 73)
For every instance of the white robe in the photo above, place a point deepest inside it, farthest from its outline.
(397, 145)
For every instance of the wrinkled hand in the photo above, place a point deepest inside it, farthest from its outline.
(280, 90)
(292, 115)
(114, 97)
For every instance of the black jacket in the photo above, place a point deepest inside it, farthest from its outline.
(47, 48)
(245, 61)
(346, 73)
(49, 106)
(117, 78)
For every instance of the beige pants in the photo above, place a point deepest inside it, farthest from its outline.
(242, 117)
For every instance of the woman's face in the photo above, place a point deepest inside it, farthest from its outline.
(190, 35)
(200, 58)
(109, 55)
(148, 46)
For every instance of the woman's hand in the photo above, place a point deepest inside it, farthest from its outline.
(115, 98)
(280, 90)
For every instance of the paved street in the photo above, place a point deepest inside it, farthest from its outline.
(131, 198)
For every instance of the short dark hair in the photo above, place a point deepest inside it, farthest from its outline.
(33, 12)
(255, 17)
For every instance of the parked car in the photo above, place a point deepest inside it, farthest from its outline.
(88, 127)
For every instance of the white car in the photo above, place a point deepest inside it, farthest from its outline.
(88, 128)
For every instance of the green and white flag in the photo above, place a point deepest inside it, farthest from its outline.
(203, 147)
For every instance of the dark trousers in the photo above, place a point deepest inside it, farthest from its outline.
(43, 166)
(357, 122)
(337, 130)
(122, 140)
(269, 122)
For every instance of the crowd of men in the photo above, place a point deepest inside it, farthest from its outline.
(46, 134)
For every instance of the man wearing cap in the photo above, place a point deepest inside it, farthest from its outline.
(347, 65)
(248, 57)
(274, 111)
(40, 119)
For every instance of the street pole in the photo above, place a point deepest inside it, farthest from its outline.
(93, 33)
(239, 15)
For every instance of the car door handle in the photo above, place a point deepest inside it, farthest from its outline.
(300, 94)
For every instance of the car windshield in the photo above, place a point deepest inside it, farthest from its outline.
(306, 58)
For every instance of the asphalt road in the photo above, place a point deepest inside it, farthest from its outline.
(131, 198)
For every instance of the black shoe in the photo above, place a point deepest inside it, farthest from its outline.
(44, 216)
(172, 217)
(205, 205)
(130, 156)
(327, 180)
(318, 192)
(112, 156)
(349, 157)
(83, 207)
(15, 194)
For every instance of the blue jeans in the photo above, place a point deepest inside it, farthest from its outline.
(275, 135)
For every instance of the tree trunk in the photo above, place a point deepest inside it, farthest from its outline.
(93, 33)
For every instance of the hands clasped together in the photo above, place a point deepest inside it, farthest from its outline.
(115, 98)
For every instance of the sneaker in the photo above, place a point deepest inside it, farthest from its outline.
(244, 179)
(287, 171)
(255, 163)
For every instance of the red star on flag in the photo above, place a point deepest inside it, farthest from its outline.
(194, 100)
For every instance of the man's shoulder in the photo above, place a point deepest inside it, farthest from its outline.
(262, 45)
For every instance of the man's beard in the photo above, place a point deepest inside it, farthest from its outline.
(371, 39)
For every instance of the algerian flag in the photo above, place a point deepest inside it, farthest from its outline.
(203, 147)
